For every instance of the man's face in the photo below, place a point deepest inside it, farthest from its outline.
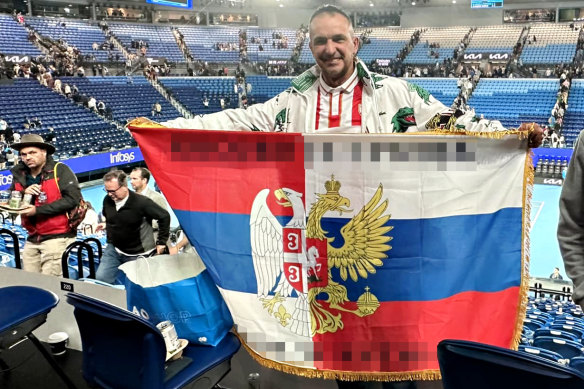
(33, 157)
(138, 183)
(333, 47)
(114, 190)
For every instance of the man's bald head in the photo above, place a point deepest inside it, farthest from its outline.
(332, 10)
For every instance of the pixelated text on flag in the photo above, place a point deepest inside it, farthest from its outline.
(219, 147)
(412, 154)
(349, 355)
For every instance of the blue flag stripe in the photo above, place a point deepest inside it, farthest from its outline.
(434, 258)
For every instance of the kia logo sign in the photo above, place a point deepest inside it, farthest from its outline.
(490, 56)
(553, 181)
(15, 58)
(499, 56)
(471, 57)
(156, 60)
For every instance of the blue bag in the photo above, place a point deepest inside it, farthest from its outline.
(178, 288)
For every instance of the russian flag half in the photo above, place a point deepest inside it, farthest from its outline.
(352, 256)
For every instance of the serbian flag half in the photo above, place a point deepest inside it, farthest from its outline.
(352, 256)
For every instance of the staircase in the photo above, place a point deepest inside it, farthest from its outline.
(182, 45)
(168, 96)
(38, 42)
(117, 43)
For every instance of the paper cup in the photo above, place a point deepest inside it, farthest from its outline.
(58, 342)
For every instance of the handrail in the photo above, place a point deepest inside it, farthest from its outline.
(80, 247)
(98, 243)
(17, 261)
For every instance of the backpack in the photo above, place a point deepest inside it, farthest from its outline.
(77, 214)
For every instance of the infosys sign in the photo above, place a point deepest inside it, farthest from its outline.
(88, 163)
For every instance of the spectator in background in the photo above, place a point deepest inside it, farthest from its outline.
(109, 113)
(9, 134)
(92, 104)
(139, 179)
(46, 218)
(156, 109)
(128, 226)
(556, 274)
(57, 86)
(3, 147)
(50, 136)
(89, 224)
(101, 107)
(10, 157)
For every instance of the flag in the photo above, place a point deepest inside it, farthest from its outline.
(351, 256)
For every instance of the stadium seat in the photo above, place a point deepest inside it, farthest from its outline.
(555, 333)
(465, 365)
(541, 352)
(566, 348)
(121, 350)
(23, 310)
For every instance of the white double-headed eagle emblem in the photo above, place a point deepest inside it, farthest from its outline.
(295, 259)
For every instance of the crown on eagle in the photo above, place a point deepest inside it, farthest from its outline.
(332, 186)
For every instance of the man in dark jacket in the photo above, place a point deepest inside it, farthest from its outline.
(128, 226)
(54, 191)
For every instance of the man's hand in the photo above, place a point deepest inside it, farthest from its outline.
(34, 189)
(28, 211)
(160, 249)
(535, 134)
(173, 250)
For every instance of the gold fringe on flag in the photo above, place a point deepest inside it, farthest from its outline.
(451, 129)
(143, 122)
(422, 375)
(479, 134)
(528, 181)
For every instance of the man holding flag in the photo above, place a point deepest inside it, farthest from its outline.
(352, 333)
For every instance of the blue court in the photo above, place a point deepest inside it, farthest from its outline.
(545, 252)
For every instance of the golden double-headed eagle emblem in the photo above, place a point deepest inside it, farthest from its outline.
(295, 260)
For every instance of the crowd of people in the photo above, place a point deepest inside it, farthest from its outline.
(375, 19)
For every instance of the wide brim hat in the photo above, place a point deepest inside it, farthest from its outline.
(33, 140)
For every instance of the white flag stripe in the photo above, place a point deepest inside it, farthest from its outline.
(445, 193)
(264, 334)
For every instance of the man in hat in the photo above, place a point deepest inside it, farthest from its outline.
(55, 191)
